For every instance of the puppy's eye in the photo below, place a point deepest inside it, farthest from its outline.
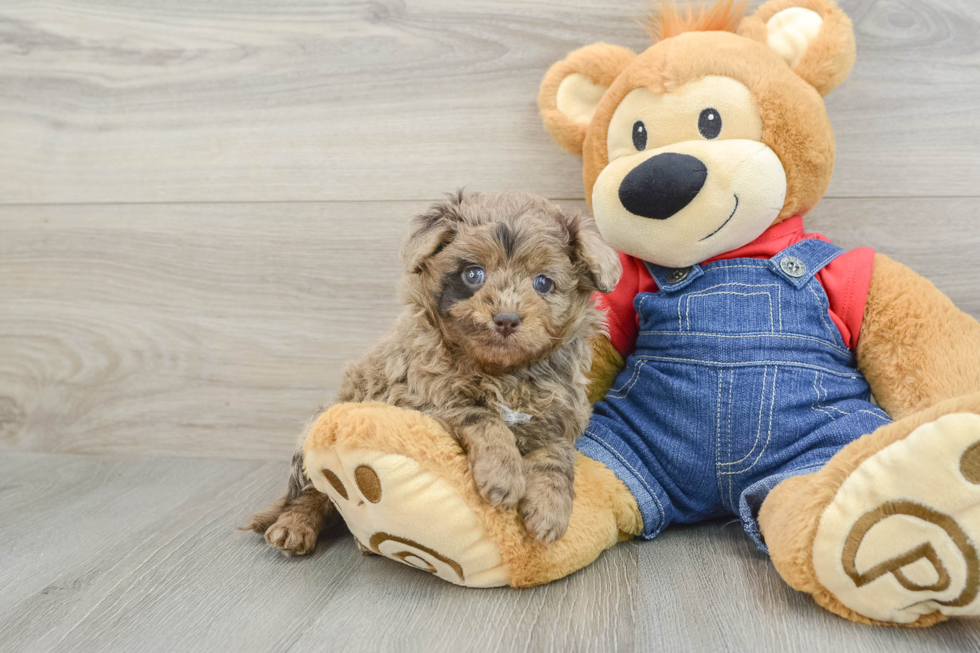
(709, 123)
(474, 276)
(639, 136)
(543, 284)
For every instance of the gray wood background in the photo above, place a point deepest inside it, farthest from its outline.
(200, 204)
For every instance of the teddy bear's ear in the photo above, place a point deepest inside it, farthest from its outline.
(814, 37)
(572, 88)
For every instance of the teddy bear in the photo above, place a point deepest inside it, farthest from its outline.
(828, 399)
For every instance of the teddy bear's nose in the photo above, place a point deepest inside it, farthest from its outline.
(662, 185)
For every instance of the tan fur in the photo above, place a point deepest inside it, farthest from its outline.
(920, 354)
(793, 114)
(606, 364)
(829, 58)
(795, 122)
(445, 357)
(601, 63)
(790, 514)
(916, 348)
(604, 512)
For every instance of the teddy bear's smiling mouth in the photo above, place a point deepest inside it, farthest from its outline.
(723, 223)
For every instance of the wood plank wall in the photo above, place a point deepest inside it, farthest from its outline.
(200, 200)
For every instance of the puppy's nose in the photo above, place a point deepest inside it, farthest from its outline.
(662, 185)
(506, 323)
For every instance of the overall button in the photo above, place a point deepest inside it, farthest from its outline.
(793, 266)
(677, 275)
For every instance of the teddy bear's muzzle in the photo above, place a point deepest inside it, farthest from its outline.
(662, 185)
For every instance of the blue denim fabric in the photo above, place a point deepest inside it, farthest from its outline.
(739, 380)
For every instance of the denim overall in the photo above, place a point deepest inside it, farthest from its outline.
(739, 380)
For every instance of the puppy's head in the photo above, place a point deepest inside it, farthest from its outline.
(507, 278)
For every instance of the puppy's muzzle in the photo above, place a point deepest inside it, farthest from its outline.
(506, 323)
(662, 185)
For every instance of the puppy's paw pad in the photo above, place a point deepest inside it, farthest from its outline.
(546, 515)
(292, 537)
(500, 482)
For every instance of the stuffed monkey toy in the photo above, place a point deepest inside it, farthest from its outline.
(743, 353)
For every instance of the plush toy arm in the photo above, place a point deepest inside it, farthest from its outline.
(916, 348)
(606, 364)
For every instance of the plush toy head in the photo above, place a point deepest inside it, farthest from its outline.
(713, 134)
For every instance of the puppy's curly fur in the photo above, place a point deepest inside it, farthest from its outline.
(494, 342)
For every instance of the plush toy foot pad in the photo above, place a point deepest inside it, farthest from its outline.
(899, 540)
(398, 509)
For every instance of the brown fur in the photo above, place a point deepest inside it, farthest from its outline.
(445, 358)
(795, 121)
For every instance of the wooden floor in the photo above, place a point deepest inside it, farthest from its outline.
(200, 205)
(129, 554)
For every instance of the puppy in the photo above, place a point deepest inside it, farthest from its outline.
(494, 343)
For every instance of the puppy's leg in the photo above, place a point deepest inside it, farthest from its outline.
(494, 459)
(296, 530)
(547, 504)
(293, 523)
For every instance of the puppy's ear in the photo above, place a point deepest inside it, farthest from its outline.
(600, 260)
(430, 232)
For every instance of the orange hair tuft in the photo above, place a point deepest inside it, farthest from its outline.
(668, 20)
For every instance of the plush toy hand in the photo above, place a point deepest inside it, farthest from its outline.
(403, 486)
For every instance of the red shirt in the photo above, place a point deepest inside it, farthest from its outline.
(846, 280)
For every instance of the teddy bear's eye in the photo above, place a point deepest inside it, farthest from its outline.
(709, 123)
(639, 136)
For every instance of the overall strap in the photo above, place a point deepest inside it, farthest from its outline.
(672, 279)
(798, 263)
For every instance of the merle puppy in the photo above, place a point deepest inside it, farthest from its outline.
(494, 343)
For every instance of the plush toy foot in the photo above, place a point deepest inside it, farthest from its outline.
(403, 486)
(891, 524)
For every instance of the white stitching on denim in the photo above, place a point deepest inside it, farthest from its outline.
(734, 283)
(729, 267)
(813, 404)
(636, 474)
(718, 432)
(759, 363)
(779, 304)
(687, 313)
(731, 481)
(624, 391)
(823, 313)
(772, 405)
(758, 433)
(749, 335)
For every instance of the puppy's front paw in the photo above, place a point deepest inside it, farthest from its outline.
(499, 479)
(546, 512)
(292, 534)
